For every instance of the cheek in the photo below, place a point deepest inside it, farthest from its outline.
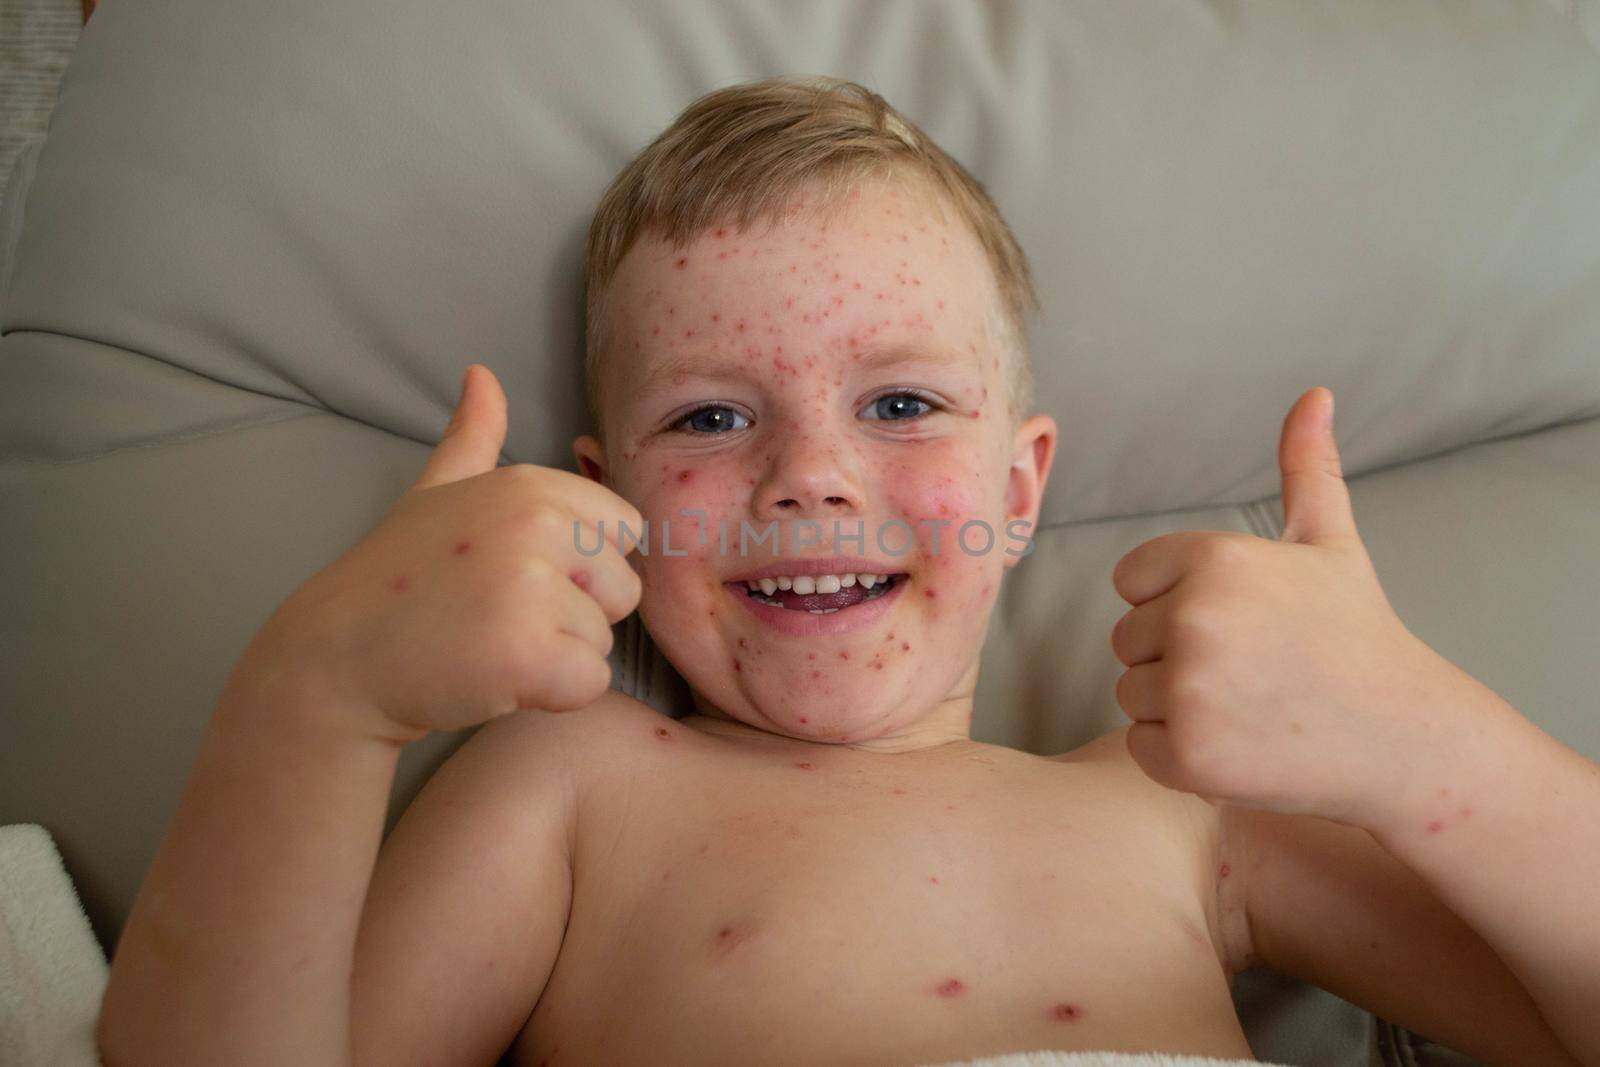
(941, 485)
(683, 501)
(937, 494)
(674, 487)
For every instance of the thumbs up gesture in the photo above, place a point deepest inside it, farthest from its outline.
(1275, 674)
(470, 598)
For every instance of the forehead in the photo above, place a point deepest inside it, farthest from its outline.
(882, 264)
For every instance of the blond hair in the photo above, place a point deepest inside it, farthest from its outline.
(745, 152)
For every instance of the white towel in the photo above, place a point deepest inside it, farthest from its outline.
(1055, 1058)
(52, 972)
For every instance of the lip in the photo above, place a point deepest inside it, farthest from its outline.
(803, 623)
(796, 567)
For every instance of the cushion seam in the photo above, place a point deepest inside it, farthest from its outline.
(160, 442)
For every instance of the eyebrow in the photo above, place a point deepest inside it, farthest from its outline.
(700, 364)
(717, 364)
(907, 352)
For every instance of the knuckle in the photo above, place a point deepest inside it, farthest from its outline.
(1189, 620)
(523, 478)
(1123, 688)
(1118, 576)
(1184, 691)
(1225, 550)
(545, 521)
(1190, 747)
(591, 678)
(633, 585)
(538, 568)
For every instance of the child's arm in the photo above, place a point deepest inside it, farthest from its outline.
(239, 947)
(470, 897)
(468, 601)
(1505, 828)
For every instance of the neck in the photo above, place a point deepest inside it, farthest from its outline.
(948, 724)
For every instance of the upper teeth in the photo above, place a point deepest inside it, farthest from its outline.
(806, 584)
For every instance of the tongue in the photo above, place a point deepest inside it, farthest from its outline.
(844, 598)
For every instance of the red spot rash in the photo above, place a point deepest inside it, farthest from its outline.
(400, 584)
(742, 643)
(905, 647)
(737, 666)
(815, 675)
(844, 655)
(804, 719)
(579, 576)
(805, 766)
(728, 938)
(463, 548)
(1222, 872)
(932, 879)
(683, 261)
(1435, 826)
(952, 988)
(1066, 1012)
(930, 592)
(686, 475)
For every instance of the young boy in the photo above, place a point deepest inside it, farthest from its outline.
(801, 313)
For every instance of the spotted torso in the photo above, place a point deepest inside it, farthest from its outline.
(772, 901)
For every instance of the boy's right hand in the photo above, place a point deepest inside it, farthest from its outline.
(469, 599)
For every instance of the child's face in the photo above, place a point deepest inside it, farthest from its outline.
(837, 368)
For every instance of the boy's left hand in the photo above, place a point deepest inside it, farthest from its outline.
(1275, 674)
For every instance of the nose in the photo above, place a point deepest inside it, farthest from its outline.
(808, 477)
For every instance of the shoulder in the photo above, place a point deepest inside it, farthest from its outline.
(610, 715)
(580, 746)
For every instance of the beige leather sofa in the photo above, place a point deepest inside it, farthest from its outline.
(240, 278)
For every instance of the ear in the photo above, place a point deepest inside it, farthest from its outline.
(1033, 449)
(591, 459)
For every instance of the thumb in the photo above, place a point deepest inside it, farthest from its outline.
(477, 431)
(1316, 500)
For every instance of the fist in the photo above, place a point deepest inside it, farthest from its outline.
(1275, 674)
(470, 598)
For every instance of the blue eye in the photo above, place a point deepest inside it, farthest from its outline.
(897, 407)
(712, 419)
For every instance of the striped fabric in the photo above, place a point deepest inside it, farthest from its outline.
(36, 40)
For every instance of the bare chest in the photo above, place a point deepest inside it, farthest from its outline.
(784, 909)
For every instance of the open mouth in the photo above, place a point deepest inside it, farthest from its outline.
(821, 594)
